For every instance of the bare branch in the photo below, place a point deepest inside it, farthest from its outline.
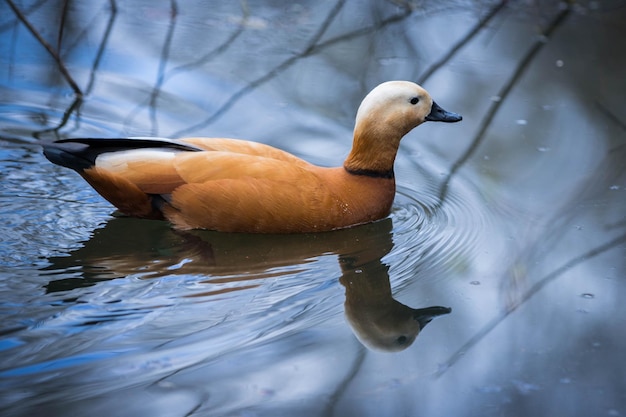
(165, 53)
(502, 95)
(49, 48)
(456, 356)
(345, 382)
(28, 10)
(312, 48)
(461, 43)
(74, 107)
(62, 25)
(102, 47)
(215, 52)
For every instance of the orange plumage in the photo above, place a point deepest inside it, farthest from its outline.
(241, 186)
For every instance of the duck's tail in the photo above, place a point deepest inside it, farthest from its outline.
(81, 153)
(69, 155)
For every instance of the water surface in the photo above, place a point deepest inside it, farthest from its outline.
(513, 218)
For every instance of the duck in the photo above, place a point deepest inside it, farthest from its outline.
(380, 322)
(236, 185)
(376, 318)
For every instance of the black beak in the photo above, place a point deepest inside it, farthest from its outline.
(437, 114)
(425, 315)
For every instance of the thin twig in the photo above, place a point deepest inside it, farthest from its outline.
(102, 47)
(268, 76)
(62, 25)
(345, 382)
(502, 95)
(74, 107)
(49, 48)
(325, 25)
(218, 50)
(165, 53)
(200, 61)
(78, 101)
(611, 116)
(361, 32)
(312, 48)
(456, 356)
(27, 10)
(461, 43)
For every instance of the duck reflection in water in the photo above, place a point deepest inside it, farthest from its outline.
(150, 249)
(378, 320)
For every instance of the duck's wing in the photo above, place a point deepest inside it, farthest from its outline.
(159, 170)
(158, 165)
(244, 193)
(81, 153)
(244, 147)
(237, 193)
(210, 166)
(223, 185)
(231, 191)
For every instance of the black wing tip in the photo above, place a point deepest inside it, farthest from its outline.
(69, 155)
(132, 143)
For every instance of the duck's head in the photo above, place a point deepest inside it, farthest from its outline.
(403, 105)
(386, 114)
(390, 326)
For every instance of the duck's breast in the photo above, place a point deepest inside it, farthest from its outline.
(364, 198)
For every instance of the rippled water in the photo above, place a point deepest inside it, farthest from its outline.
(514, 218)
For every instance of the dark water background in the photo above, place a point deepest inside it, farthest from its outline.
(515, 218)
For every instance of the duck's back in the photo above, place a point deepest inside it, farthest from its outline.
(223, 184)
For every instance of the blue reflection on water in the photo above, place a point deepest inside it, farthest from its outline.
(94, 306)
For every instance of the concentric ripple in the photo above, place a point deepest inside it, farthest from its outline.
(434, 234)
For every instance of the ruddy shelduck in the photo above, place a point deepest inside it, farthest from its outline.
(235, 185)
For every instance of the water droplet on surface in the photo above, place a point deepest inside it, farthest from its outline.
(358, 271)
(587, 295)
(490, 389)
(543, 149)
(474, 282)
(521, 122)
(395, 383)
(442, 367)
(559, 63)
(614, 187)
(525, 388)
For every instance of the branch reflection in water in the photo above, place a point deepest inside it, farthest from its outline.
(238, 262)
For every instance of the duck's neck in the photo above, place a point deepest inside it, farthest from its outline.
(373, 151)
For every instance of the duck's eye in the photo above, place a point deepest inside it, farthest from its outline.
(402, 339)
(414, 100)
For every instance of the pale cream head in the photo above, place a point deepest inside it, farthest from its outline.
(402, 105)
(390, 327)
(385, 115)
(382, 323)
